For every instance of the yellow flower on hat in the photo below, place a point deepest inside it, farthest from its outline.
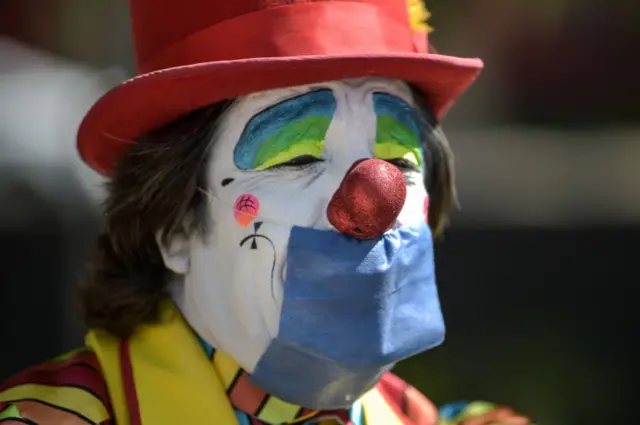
(419, 15)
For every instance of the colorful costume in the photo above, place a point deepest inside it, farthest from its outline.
(281, 219)
(98, 385)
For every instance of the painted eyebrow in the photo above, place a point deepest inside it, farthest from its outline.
(401, 110)
(282, 113)
(278, 116)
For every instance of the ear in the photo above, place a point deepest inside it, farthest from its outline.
(175, 251)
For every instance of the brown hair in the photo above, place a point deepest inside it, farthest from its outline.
(157, 186)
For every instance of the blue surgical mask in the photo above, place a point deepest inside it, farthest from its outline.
(351, 310)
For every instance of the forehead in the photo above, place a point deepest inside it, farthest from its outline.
(246, 106)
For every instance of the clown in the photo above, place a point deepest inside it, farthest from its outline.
(277, 174)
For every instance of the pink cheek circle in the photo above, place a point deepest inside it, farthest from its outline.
(246, 209)
(426, 208)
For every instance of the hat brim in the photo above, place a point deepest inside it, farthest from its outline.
(148, 101)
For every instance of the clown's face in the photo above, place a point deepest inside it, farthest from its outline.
(276, 161)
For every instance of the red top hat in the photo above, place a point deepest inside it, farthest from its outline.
(192, 53)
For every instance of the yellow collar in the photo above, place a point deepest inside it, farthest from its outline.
(174, 381)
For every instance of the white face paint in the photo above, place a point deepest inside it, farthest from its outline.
(227, 292)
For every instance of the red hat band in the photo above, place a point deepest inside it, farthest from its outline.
(326, 27)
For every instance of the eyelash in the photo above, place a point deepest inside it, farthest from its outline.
(300, 162)
(403, 164)
(306, 161)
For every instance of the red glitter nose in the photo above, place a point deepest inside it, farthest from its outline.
(369, 199)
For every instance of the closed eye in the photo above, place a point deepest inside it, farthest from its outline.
(285, 133)
(299, 162)
(403, 164)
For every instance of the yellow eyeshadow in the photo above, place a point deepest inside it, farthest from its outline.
(313, 148)
(391, 150)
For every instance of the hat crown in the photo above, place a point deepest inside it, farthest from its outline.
(158, 25)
